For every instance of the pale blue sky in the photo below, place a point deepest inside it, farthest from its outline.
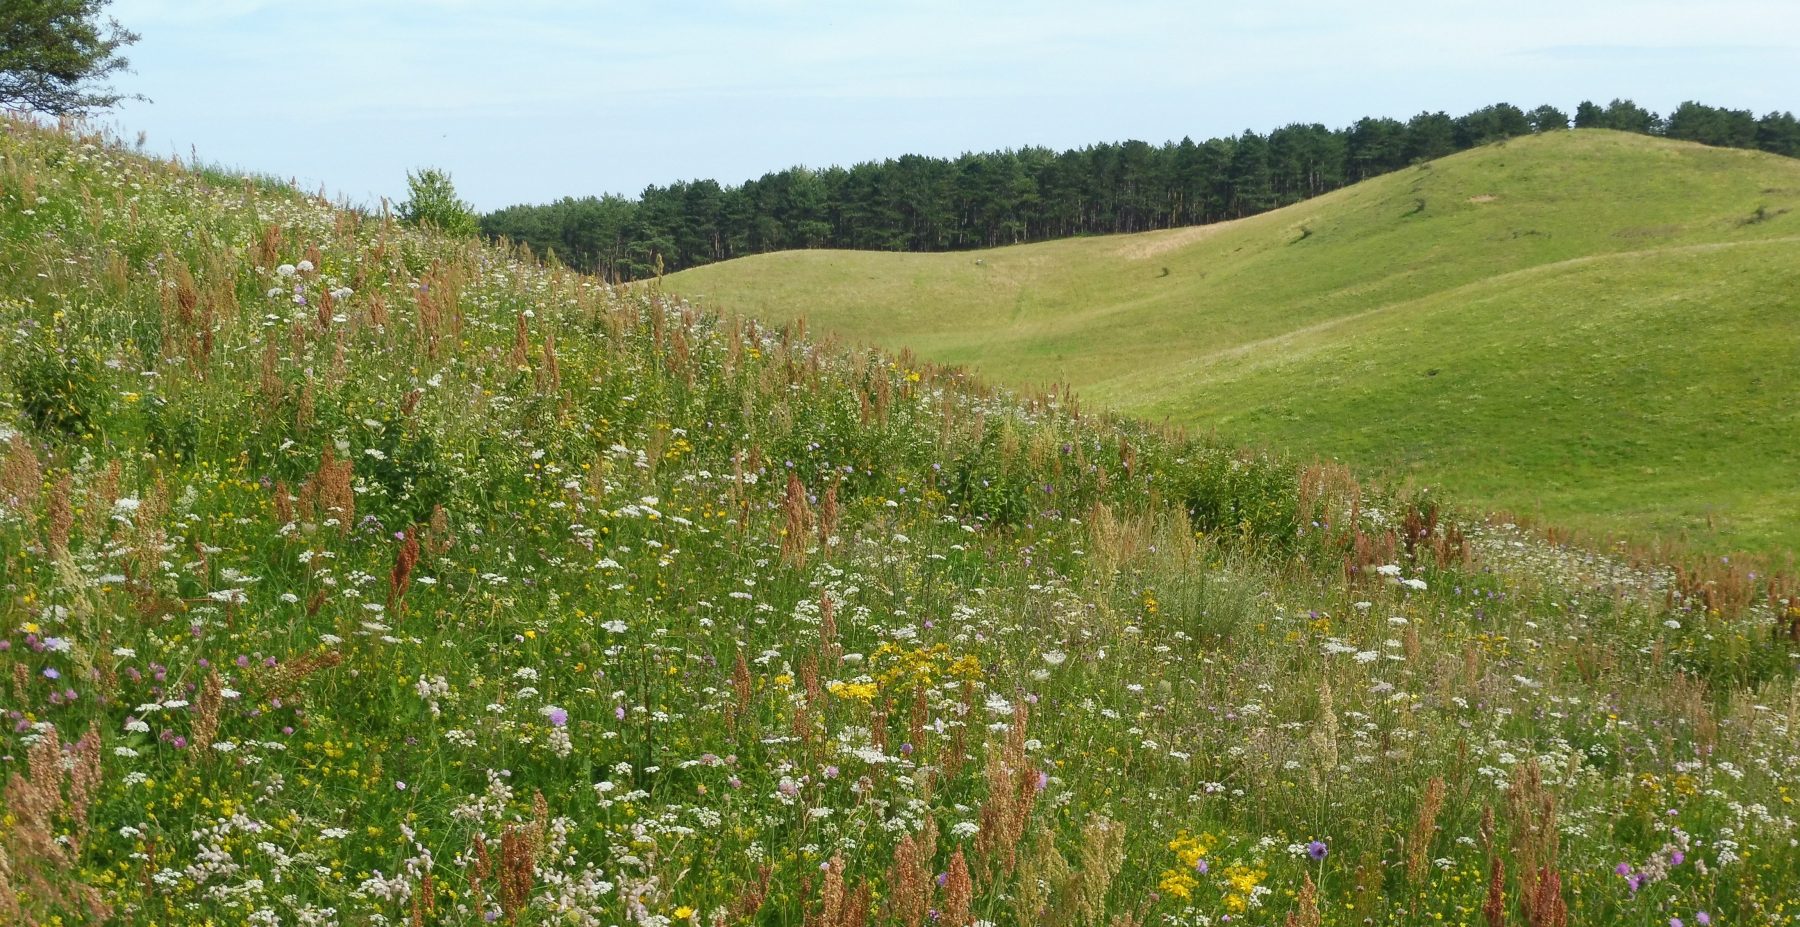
(529, 100)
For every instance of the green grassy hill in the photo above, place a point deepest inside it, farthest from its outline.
(351, 574)
(1597, 327)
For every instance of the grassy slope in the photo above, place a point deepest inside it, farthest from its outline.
(1612, 339)
(605, 665)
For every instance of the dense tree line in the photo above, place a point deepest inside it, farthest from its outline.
(917, 203)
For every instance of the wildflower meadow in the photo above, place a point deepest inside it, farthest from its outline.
(358, 574)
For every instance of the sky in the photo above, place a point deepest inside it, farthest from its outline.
(533, 100)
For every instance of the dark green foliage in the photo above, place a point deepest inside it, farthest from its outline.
(1727, 128)
(55, 56)
(1779, 133)
(172, 433)
(1626, 116)
(409, 467)
(58, 387)
(1491, 124)
(915, 203)
(432, 201)
(1430, 135)
(1250, 190)
(1547, 118)
(1229, 493)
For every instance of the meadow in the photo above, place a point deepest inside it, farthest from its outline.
(1591, 327)
(355, 574)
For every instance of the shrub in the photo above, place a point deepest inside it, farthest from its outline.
(59, 389)
(432, 201)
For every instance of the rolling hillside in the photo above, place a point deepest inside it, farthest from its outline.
(355, 574)
(1596, 327)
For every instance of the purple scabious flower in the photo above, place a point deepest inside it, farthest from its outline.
(558, 717)
(1317, 850)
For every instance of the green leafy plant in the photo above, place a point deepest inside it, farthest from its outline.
(59, 389)
(432, 201)
(56, 54)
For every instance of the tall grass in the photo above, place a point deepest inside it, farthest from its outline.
(355, 575)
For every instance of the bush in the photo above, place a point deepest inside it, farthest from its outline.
(432, 201)
(59, 390)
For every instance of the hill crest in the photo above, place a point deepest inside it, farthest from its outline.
(1141, 323)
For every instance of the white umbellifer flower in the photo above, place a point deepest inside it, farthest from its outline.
(1055, 657)
(306, 266)
(286, 270)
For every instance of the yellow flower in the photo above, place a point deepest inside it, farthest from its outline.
(861, 691)
(1188, 849)
(1243, 879)
(1177, 884)
(683, 913)
(966, 667)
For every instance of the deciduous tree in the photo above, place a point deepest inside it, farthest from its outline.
(56, 56)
